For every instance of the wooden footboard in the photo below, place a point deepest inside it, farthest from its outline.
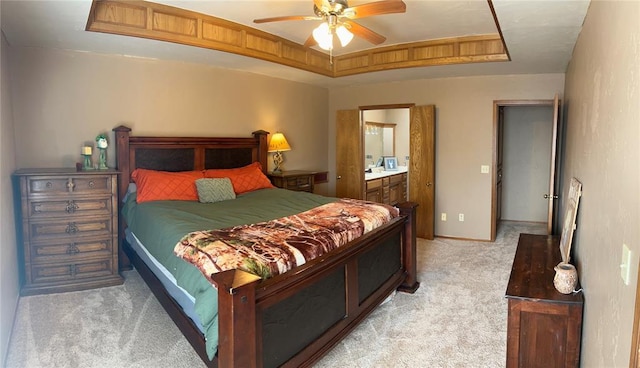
(292, 319)
(295, 318)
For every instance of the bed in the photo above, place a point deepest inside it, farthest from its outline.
(291, 319)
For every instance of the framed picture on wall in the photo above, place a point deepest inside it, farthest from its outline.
(390, 163)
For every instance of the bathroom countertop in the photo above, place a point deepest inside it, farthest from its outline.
(382, 174)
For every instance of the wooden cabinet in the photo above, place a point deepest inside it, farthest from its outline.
(373, 190)
(397, 189)
(293, 180)
(68, 229)
(544, 326)
(390, 189)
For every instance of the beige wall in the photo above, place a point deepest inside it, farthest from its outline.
(464, 130)
(63, 99)
(8, 251)
(602, 151)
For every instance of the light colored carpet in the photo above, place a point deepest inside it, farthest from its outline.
(457, 318)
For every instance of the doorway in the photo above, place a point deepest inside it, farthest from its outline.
(350, 165)
(525, 139)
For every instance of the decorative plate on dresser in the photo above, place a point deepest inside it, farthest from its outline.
(67, 223)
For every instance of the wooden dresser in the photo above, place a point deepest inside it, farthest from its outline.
(67, 224)
(544, 326)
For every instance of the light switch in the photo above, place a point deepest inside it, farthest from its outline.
(484, 169)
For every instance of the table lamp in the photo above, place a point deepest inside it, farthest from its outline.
(277, 145)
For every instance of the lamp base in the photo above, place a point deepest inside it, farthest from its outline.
(277, 161)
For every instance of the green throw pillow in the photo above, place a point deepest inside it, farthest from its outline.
(215, 190)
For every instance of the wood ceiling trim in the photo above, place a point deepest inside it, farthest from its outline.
(165, 23)
(458, 50)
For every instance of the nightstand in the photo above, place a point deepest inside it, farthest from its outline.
(67, 223)
(298, 180)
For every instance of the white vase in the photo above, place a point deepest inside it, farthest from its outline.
(566, 278)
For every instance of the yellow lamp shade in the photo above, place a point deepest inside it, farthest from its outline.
(278, 143)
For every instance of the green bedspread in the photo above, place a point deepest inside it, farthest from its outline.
(160, 225)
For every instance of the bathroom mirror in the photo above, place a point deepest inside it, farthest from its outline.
(379, 141)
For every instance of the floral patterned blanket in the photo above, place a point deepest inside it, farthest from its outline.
(273, 247)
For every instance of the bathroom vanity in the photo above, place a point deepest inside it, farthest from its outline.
(388, 187)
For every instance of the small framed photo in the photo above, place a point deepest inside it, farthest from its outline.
(390, 163)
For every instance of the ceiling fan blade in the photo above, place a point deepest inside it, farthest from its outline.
(318, 3)
(286, 17)
(364, 32)
(310, 42)
(376, 8)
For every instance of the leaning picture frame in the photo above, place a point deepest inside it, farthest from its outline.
(390, 163)
(569, 224)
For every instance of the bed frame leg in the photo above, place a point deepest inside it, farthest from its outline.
(237, 329)
(409, 258)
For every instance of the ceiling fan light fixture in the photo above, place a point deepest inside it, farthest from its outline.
(344, 35)
(323, 36)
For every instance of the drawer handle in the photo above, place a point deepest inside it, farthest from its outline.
(91, 184)
(72, 228)
(73, 249)
(49, 184)
(71, 207)
(70, 185)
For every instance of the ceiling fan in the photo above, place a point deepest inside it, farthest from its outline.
(337, 17)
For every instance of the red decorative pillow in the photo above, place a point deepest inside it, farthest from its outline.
(244, 179)
(163, 185)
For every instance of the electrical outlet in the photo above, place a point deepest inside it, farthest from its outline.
(461, 217)
(625, 265)
(443, 216)
(484, 169)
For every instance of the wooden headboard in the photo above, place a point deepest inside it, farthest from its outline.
(183, 154)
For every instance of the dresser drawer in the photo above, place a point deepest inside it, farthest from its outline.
(300, 182)
(49, 273)
(73, 228)
(69, 207)
(60, 185)
(66, 251)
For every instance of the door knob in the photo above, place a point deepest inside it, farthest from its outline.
(546, 196)
(339, 177)
(429, 184)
